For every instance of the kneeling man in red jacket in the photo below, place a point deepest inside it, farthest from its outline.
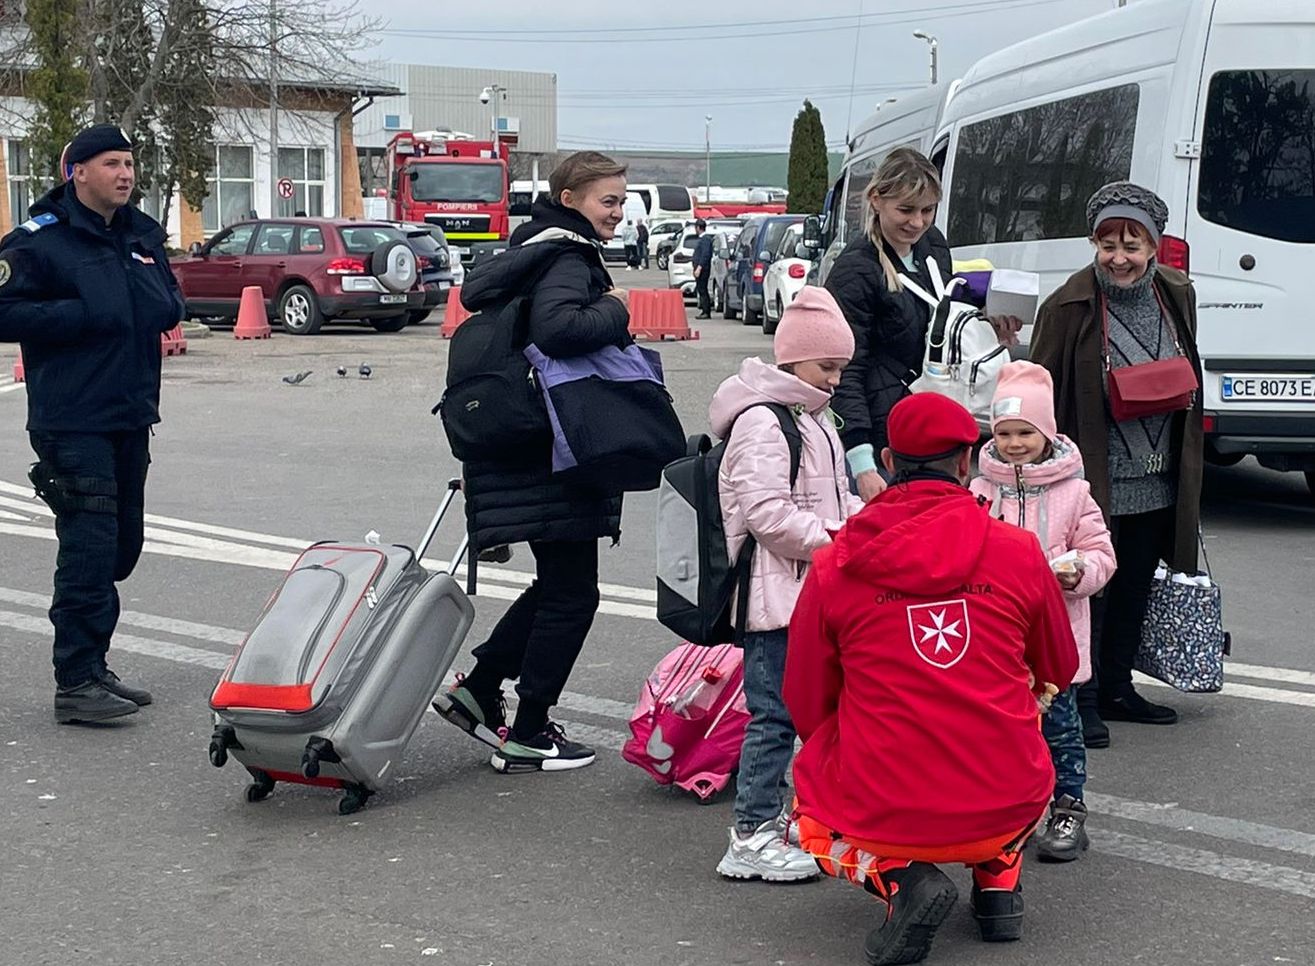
(923, 637)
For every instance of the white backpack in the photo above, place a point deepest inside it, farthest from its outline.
(964, 355)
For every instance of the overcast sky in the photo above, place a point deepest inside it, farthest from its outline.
(636, 75)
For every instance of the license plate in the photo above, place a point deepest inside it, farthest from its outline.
(399, 299)
(1266, 387)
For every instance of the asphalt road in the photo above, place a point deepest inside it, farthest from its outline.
(122, 845)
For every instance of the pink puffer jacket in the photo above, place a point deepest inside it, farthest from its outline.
(754, 484)
(1052, 500)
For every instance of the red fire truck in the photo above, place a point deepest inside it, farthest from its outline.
(455, 182)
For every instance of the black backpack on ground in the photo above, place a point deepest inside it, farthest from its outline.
(696, 577)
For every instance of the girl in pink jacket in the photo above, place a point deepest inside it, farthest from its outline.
(1032, 476)
(813, 344)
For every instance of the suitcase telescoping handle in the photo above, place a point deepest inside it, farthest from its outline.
(463, 549)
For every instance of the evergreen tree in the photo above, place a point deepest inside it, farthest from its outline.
(807, 175)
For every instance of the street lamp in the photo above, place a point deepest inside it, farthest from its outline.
(707, 147)
(934, 44)
(489, 95)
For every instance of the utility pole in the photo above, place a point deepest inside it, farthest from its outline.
(707, 149)
(934, 44)
(490, 95)
(273, 110)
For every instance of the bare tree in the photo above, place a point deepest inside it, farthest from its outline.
(161, 68)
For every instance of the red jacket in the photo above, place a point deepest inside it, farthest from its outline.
(907, 672)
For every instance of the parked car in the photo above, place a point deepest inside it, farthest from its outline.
(723, 256)
(434, 259)
(309, 270)
(754, 252)
(785, 278)
(680, 267)
(662, 238)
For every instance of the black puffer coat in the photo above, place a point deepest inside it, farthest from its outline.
(516, 499)
(890, 333)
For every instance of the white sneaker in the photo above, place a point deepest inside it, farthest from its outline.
(763, 854)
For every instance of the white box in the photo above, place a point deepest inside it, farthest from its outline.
(1014, 293)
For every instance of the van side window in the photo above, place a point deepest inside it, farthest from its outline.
(1027, 176)
(1258, 153)
(860, 174)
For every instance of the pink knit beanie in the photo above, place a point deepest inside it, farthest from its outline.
(813, 327)
(1025, 391)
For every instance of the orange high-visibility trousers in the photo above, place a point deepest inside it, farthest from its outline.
(997, 862)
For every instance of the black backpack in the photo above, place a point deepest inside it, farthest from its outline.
(695, 576)
(492, 406)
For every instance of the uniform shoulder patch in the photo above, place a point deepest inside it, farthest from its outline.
(39, 222)
(6, 273)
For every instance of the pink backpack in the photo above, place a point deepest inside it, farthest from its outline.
(690, 720)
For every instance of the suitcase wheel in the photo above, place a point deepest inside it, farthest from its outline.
(223, 738)
(260, 788)
(353, 799)
(317, 750)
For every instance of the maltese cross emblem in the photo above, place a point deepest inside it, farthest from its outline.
(940, 632)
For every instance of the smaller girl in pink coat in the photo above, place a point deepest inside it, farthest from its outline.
(1032, 476)
(813, 345)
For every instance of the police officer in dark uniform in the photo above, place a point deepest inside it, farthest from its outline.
(86, 288)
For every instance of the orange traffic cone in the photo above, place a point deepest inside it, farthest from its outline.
(454, 314)
(19, 374)
(252, 322)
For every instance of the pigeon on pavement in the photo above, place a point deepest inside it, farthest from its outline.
(364, 371)
(342, 370)
(298, 379)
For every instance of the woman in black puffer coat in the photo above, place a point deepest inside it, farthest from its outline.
(575, 310)
(890, 323)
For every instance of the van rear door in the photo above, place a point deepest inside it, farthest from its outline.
(1251, 228)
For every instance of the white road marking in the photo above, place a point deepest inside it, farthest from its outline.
(1247, 871)
(1186, 820)
(172, 536)
(1149, 851)
(1304, 699)
(13, 387)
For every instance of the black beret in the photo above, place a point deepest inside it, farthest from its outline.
(95, 140)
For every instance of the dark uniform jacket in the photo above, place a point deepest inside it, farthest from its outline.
(890, 333)
(1069, 341)
(516, 499)
(88, 303)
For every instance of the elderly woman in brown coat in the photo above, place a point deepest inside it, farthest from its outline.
(1124, 310)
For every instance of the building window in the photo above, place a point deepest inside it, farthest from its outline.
(304, 167)
(1027, 175)
(21, 183)
(232, 188)
(374, 171)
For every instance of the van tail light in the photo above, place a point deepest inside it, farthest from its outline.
(1174, 253)
(1208, 422)
(758, 271)
(346, 266)
(797, 271)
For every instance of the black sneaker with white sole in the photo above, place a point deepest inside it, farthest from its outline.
(549, 750)
(483, 721)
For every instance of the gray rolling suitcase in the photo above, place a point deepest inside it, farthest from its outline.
(329, 686)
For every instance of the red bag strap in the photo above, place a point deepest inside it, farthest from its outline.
(1165, 315)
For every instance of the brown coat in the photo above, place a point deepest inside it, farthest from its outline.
(1067, 340)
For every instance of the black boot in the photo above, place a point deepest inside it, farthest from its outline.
(138, 696)
(88, 703)
(921, 897)
(999, 914)
(1125, 704)
(1095, 733)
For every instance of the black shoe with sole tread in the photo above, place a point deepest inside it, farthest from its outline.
(999, 914)
(1127, 705)
(923, 898)
(89, 703)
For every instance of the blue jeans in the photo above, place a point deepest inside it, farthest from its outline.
(769, 740)
(1063, 730)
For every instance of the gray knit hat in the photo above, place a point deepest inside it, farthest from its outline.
(1123, 199)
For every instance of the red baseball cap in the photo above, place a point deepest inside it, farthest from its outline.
(927, 426)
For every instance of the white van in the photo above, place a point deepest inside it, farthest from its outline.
(663, 201)
(909, 122)
(1211, 103)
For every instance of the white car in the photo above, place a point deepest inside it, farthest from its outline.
(680, 267)
(785, 278)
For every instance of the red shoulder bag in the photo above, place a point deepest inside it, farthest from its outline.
(1149, 388)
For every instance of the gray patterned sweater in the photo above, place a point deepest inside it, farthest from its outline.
(1143, 464)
